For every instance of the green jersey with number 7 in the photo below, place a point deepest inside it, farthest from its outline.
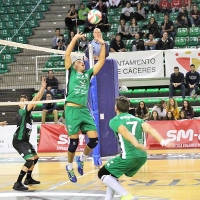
(133, 124)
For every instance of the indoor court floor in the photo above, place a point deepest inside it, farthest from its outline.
(167, 175)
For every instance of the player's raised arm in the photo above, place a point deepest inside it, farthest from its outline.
(3, 123)
(68, 60)
(147, 128)
(39, 95)
(129, 137)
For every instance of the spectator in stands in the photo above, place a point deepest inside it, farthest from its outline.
(127, 12)
(71, 35)
(161, 109)
(142, 111)
(102, 7)
(114, 3)
(56, 38)
(165, 42)
(151, 43)
(192, 81)
(71, 19)
(52, 83)
(123, 29)
(117, 45)
(182, 18)
(167, 26)
(153, 6)
(82, 14)
(177, 82)
(187, 4)
(173, 107)
(165, 6)
(96, 46)
(60, 43)
(92, 4)
(49, 108)
(133, 28)
(138, 44)
(182, 115)
(89, 27)
(83, 44)
(154, 115)
(131, 109)
(187, 108)
(195, 16)
(153, 27)
(103, 25)
(139, 14)
(176, 5)
(169, 116)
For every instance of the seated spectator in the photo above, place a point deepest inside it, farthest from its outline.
(161, 109)
(52, 83)
(140, 12)
(195, 16)
(82, 14)
(92, 4)
(96, 46)
(133, 28)
(131, 109)
(123, 29)
(151, 43)
(165, 42)
(127, 12)
(187, 4)
(142, 111)
(167, 26)
(102, 7)
(83, 44)
(60, 43)
(154, 115)
(71, 35)
(173, 107)
(117, 45)
(165, 6)
(169, 116)
(114, 3)
(89, 27)
(153, 6)
(192, 81)
(182, 18)
(56, 38)
(182, 115)
(70, 20)
(187, 108)
(153, 27)
(138, 44)
(177, 82)
(49, 108)
(103, 25)
(176, 5)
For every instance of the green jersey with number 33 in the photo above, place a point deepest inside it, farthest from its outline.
(133, 124)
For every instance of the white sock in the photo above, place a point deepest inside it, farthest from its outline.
(83, 157)
(109, 194)
(69, 166)
(112, 183)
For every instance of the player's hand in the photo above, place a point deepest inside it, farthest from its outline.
(79, 35)
(44, 84)
(3, 123)
(170, 145)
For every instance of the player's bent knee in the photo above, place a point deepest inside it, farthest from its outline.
(29, 163)
(92, 142)
(73, 145)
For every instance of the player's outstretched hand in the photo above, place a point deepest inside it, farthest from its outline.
(170, 145)
(79, 35)
(44, 84)
(3, 123)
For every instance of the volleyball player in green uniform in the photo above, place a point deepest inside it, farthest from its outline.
(77, 115)
(21, 140)
(129, 131)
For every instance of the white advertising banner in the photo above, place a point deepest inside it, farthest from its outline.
(6, 137)
(139, 64)
(181, 58)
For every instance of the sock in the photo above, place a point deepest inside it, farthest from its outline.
(83, 157)
(21, 176)
(69, 166)
(109, 194)
(113, 184)
(29, 173)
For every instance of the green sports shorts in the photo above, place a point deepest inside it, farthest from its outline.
(129, 167)
(78, 119)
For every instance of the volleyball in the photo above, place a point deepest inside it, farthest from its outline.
(94, 16)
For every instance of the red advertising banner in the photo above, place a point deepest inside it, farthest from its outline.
(184, 133)
(54, 138)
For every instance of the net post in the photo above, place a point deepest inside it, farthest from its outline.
(36, 66)
(91, 59)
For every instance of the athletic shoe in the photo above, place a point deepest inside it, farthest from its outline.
(19, 186)
(31, 181)
(80, 165)
(71, 175)
(127, 197)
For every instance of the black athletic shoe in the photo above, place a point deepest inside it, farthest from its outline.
(19, 186)
(31, 181)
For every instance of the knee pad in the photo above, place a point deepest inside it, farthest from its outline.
(73, 145)
(92, 142)
(103, 172)
(29, 163)
(35, 161)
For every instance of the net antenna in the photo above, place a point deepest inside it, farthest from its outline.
(91, 59)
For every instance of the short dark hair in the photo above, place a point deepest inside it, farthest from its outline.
(192, 65)
(62, 35)
(72, 5)
(176, 67)
(118, 34)
(166, 14)
(22, 96)
(57, 29)
(122, 104)
(50, 71)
